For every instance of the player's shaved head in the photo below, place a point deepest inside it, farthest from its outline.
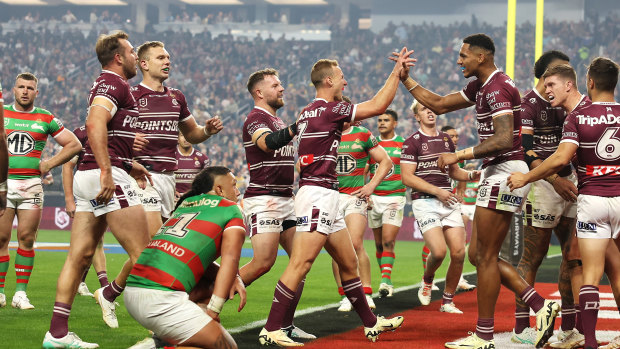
(259, 76)
(604, 72)
(542, 64)
(322, 69)
(563, 71)
(480, 41)
(204, 181)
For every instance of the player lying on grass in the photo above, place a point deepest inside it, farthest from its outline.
(175, 289)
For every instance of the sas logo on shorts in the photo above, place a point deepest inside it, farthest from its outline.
(585, 227)
(302, 220)
(271, 222)
(424, 223)
(511, 200)
(325, 221)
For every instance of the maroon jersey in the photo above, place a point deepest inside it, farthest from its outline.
(123, 125)
(188, 167)
(319, 128)
(595, 129)
(80, 133)
(498, 95)
(424, 150)
(546, 121)
(160, 115)
(270, 173)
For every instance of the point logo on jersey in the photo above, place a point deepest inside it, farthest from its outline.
(20, 143)
(306, 160)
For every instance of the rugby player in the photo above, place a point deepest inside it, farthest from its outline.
(189, 163)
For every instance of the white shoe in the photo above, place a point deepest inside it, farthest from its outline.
(107, 308)
(434, 287)
(371, 303)
(424, 293)
(471, 342)
(21, 301)
(450, 308)
(386, 290)
(545, 319)
(345, 305)
(295, 332)
(569, 340)
(527, 336)
(71, 340)
(83, 290)
(464, 285)
(2, 300)
(146, 343)
(382, 325)
(614, 344)
(277, 338)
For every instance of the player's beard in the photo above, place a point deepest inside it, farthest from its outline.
(129, 70)
(24, 106)
(276, 103)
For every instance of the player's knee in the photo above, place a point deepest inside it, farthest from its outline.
(27, 241)
(358, 245)
(573, 263)
(438, 253)
(389, 245)
(457, 255)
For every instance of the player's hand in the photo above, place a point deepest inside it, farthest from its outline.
(403, 63)
(213, 126)
(70, 208)
(448, 198)
(140, 142)
(107, 188)
(238, 287)
(141, 174)
(2, 202)
(215, 316)
(476, 175)
(445, 160)
(364, 192)
(566, 189)
(44, 166)
(517, 180)
(369, 203)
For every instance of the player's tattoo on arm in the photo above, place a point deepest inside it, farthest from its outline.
(222, 342)
(500, 141)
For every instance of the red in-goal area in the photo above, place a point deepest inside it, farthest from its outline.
(426, 327)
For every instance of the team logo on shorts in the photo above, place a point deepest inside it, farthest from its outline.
(482, 192)
(585, 227)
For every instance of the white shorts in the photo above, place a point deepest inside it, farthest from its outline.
(544, 206)
(432, 213)
(158, 197)
(386, 210)
(348, 204)
(24, 194)
(598, 217)
(268, 214)
(493, 191)
(169, 314)
(316, 209)
(86, 186)
(468, 211)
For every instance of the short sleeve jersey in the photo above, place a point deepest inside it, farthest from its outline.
(26, 137)
(271, 173)
(546, 121)
(184, 247)
(160, 115)
(319, 129)
(498, 95)
(188, 167)
(423, 151)
(123, 125)
(392, 184)
(353, 155)
(80, 133)
(595, 129)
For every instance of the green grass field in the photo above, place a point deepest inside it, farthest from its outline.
(26, 328)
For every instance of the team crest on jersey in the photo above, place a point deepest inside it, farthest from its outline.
(174, 102)
(447, 145)
(142, 102)
(543, 115)
(533, 100)
(424, 147)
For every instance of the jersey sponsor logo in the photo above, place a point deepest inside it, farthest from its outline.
(342, 108)
(288, 150)
(427, 164)
(585, 227)
(306, 160)
(544, 217)
(202, 202)
(269, 222)
(608, 119)
(104, 88)
(325, 221)
(302, 220)
(173, 249)
(346, 164)
(499, 105)
(307, 114)
(511, 200)
(20, 143)
(601, 170)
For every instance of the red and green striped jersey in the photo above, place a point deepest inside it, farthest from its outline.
(353, 157)
(26, 137)
(392, 185)
(185, 246)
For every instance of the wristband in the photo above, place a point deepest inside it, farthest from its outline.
(461, 154)
(470, 175)
(552, 178)
(3, 186)
(216, 303)
(204, 129)
(410, 84)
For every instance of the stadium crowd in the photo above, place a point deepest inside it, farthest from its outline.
(212, 71)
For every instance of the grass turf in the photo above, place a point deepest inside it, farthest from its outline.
(26, 328)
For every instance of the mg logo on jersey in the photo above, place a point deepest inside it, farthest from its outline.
(20, 143)
(346, 164)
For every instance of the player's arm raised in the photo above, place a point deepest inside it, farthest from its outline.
(99, 114)
(379, 103)
(197, 134)
(438, 104)
(381, 157)
(560, 158)
(71, 146)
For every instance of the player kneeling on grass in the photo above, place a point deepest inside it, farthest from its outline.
(171, 281)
